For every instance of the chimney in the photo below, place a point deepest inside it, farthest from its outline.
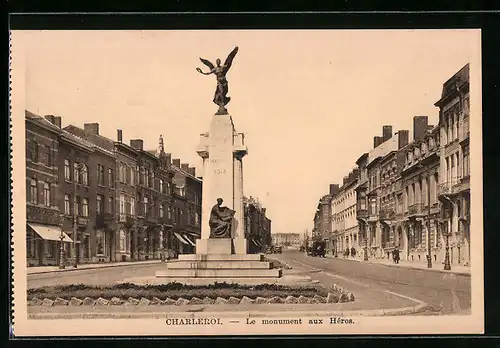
(377, 141)
(119, 135)
(386, 133)
(92, 128)
(185, 167)
(403, 137)
(419, 127)
(176, 162)
(333, 189)
(192, 171)
(58, 121)
(50, 118)
(168, 156)
(137, 144)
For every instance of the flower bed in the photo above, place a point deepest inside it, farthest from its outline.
(172, 290)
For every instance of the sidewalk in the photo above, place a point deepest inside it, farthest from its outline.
(436, 266)
(51, 269)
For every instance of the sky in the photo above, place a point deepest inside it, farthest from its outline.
(309, 102)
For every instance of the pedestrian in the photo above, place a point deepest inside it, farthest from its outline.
(353, 252)
(395, 254)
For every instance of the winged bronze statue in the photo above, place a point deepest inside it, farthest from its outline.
(220, 71)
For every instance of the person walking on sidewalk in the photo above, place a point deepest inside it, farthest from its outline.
(395, 256)
(353, 252)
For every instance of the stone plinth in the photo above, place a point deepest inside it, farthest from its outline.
(219, 273)
(219, 246)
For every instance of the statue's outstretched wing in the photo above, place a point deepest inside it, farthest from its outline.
(207, 63)
(230, 57)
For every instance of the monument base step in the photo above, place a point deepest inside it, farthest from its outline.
(183, 264)
(220, 273)
(221, 257)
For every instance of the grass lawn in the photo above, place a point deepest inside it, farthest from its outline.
(172, 290)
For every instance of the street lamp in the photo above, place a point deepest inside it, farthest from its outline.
(429, 257)
(447, 264)
(61, 248)
(76, 174)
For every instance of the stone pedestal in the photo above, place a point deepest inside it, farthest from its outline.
(221, 259)
(222, 150)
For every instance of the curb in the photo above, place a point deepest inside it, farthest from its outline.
(467, 274)
(342, 297)
(110, 265)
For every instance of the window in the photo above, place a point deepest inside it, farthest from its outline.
(85, 175)
(76, 174)
(132, 205)
(120, 172)
(196, 219)
(49, 248)
(77, 206)
(67, 170)
(67, 206)
(161, 185)
(33, 191)
(169, 188)
(99, 206)
(132, 175)
(123, 241)
(48, 156)
(122, 204)
(466, 166)
(453, 177)
(169, 212)
(146, 177)
(85, 207)
(100, 242)
(161, 211)
(33, 151)
(110, 205)
(100, 174)
(111, 178)
(145, 205)
(46, 194)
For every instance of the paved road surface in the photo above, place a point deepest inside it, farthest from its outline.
(445, 293)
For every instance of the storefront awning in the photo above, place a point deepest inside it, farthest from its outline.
(181, 239)
(188, 239)
(48, 232)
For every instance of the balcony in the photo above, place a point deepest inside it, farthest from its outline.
(82, 221)
(416, 210)
(43, 215)
(386, 214)
(103, 219)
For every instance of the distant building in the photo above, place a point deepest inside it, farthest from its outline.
(286, 239)
(257, 225)
(343, 207)
(454, 186)
(377, 167)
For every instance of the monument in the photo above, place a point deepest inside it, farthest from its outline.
(222, 251)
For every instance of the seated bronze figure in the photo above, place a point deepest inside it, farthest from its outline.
(220, 221)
